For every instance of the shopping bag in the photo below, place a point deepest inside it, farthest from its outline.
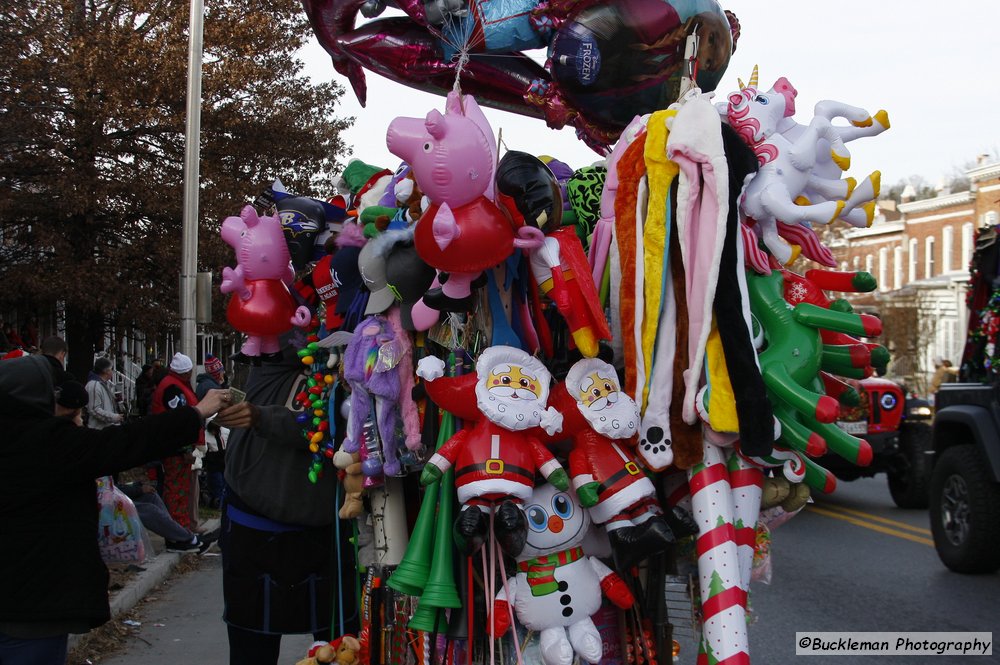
(120, 534)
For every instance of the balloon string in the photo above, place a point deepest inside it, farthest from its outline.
(463, 60)
(510, 607)
(490, 601)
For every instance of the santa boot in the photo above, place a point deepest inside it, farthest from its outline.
(511, 528)
(470, 529)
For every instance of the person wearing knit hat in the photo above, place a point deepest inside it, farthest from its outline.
(71, 395)
(181, 364)
(71, 399)
(214, 376)
(215, 368)
(180, 491)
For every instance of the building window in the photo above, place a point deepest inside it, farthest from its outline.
(966, 245)
(947, 242)
(897, 268)
(856, 263)
(869, 264)
(913, 260)
(992, 218)
(929, 258)
(883, 269)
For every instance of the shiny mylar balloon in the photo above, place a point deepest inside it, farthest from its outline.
(608, 60)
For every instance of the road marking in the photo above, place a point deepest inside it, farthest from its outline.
(876, 518)
(874, 527)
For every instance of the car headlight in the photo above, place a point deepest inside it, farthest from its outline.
(919, 412)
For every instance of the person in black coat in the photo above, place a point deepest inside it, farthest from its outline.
(52, 579)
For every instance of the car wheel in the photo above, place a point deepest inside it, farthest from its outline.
(909, 476)
(965, 511)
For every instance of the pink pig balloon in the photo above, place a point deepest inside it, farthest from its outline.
(462, 232)
(262, 306)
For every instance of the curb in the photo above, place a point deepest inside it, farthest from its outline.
(157, 570)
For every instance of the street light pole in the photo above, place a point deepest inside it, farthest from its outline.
(192, 155)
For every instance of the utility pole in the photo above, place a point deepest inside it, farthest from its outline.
(192, 156)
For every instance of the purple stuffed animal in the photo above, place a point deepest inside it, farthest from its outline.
(371, 369)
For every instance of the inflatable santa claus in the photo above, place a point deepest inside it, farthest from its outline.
(498, 455)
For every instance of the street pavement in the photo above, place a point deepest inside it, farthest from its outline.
(851, 562)
(855, 562)
(184, 620)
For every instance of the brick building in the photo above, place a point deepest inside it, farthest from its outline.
(919, 252)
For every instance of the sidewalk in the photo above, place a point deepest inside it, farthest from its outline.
(183, 620)
(184, 624)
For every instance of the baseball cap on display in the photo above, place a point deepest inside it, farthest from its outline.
(345, 276)
(409, 277)
(372, 265)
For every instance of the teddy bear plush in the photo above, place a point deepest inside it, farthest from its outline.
(353, 483)
(343, 651)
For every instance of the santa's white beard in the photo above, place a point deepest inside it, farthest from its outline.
(510, 413)
(617, 420)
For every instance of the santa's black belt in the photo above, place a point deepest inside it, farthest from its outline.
(497, 467)
(630, 469)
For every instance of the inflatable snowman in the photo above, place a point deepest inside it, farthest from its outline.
(558, 588)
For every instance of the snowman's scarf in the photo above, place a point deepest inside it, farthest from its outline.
(541, 571)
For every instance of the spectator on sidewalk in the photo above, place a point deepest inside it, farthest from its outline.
(214, 377)
(29, 333)
(155, 517)
(54, 349)
(102, 407)
(71, 400)
(180, 493)
(52, 579)
(144, 387)
(12, 336)
(277, 529)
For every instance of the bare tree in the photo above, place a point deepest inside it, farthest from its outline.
(92, 98)
(909, 328)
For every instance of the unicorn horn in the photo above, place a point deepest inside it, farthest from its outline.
(742, 84)
(753, 78)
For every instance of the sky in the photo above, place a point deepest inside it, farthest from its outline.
(932, 65)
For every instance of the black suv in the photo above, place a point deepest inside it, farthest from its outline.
(965, 476)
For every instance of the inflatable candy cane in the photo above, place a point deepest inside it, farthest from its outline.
(747, 481)
(723, 598)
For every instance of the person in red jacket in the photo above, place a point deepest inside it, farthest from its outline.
(179, 493)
